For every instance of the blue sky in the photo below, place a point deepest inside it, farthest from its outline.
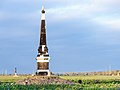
(82, 35)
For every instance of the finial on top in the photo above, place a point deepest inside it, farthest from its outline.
(42, 7)
(43, 11)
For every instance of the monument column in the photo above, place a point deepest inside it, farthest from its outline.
(43, 56)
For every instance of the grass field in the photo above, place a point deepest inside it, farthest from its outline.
(14, 79)
(11, 78)
(87, 83)
(91, 77)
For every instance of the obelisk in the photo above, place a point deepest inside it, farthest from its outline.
(43, 56)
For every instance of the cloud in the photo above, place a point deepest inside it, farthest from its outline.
(29, 17)
(71, 12)
(20, 1)
(89, 9)
(71, 9)
(92, 10)
(105, 2)
(14, 32)
(111, 22)
(59, 2)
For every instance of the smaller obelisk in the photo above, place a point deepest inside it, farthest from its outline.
(15, 72)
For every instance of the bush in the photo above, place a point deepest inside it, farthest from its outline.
(80, 81)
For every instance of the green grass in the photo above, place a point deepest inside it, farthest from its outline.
(14, 79)
(91, 77)
(94, 79)
(9, 86)
(88, 83)
(11, 78)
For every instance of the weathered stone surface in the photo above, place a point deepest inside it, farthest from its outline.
(43, 80)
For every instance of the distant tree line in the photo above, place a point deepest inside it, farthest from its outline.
(103, 73)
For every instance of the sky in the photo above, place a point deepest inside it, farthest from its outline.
(82, 35)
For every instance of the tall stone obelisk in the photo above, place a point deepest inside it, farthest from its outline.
(43, 56)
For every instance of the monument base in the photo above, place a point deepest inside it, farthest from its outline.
(15, 75)
(44, 80)
(43, 73)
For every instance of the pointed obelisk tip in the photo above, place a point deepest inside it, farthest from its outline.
(42, 7)
(43, 11)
